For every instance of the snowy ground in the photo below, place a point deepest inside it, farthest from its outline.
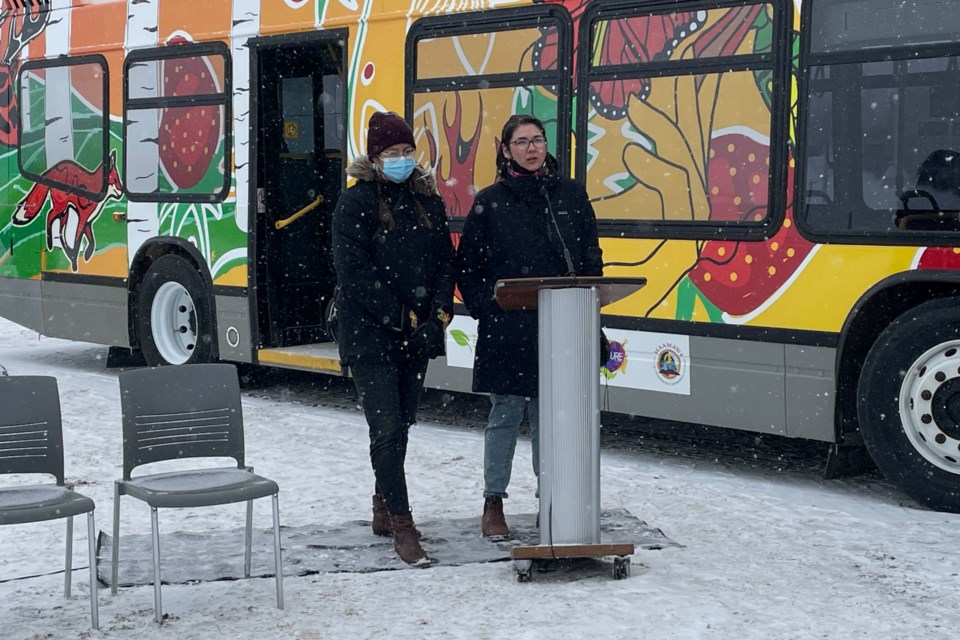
(766, 554)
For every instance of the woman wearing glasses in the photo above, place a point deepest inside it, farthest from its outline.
(395, 267)
(530, 223)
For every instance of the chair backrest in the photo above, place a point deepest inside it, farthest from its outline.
(185, 411)
(31, 434)
(939, 175)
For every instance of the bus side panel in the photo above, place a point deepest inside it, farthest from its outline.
(233, 326)
(732, 384)
(20, 302)
(440, 375)
(811, 392)
(716, 381)
(88, 312)
(770, 388)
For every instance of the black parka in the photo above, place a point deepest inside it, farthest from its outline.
(382, 273)
(509, 233)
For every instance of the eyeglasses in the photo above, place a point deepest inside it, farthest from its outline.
(523, 143)
(398, 154)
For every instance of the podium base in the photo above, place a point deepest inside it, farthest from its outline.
(525, 559)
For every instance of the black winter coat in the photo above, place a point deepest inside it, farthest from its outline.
(509, 234)
(384, 273)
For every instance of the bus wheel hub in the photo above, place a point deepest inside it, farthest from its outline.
(930, 405)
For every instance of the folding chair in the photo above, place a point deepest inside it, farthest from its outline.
(31, 441)
(187, 411)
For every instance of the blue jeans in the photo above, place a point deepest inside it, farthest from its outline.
(500, 441)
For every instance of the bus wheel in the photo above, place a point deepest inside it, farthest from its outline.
(175, 314)
(908, 403)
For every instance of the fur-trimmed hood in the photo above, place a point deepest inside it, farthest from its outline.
(421, 181)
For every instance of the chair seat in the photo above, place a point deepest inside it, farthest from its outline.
(41, 502)
(199, 487)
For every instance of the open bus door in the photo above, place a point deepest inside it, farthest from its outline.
(301, 107)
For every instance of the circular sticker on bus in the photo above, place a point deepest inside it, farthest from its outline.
(669, 363)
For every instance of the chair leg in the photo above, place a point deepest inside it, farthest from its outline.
(155, 528)
(68, 563)
(92, 552)
(278, 563)
(247, 535)
(115, 560)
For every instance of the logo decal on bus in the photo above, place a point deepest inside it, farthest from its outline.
(617, 362)
(670, 363)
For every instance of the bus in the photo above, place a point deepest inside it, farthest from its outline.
(785, 175)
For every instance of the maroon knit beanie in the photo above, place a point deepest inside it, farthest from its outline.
(386, 130)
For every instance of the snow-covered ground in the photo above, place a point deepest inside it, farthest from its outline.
(766, 554)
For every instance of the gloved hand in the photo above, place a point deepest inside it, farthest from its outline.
(408, 322)
(428, 337)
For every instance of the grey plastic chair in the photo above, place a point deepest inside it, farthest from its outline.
(187, 411)
(31, 441)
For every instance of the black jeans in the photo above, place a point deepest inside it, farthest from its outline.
(390, 395)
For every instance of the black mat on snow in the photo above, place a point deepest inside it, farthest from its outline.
(349, 547)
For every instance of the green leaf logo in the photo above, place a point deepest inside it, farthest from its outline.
(460, 337)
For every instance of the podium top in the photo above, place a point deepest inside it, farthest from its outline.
(519, 294)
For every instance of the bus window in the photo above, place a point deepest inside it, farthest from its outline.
(855, 25)
(469, 75)
(176, 124)
(878, 147)
(473, 53)
(682, 122)
(64, 124)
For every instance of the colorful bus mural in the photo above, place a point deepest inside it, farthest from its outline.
(786, 177)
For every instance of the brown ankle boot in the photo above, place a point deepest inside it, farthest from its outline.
(381, 517)
(493, 524)
(406, 540)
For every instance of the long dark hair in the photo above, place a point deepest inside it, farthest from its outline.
(506, 135)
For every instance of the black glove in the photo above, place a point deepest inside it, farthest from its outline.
(428, 339)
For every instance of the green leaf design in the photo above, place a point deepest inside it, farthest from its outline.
(460, 337)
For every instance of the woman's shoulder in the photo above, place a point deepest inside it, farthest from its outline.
(355, 196)
(492, 192)
(435, 206)
(569, 184)
(568, 188)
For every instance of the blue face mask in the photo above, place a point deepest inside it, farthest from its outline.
(398, 169)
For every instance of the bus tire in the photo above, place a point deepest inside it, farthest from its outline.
(908, 403)
(175, 322)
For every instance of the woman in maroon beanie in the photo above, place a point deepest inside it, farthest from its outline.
(395, 267)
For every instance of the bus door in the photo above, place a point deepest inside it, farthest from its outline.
(300, 173)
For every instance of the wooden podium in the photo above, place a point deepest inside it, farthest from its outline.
(569, 398)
